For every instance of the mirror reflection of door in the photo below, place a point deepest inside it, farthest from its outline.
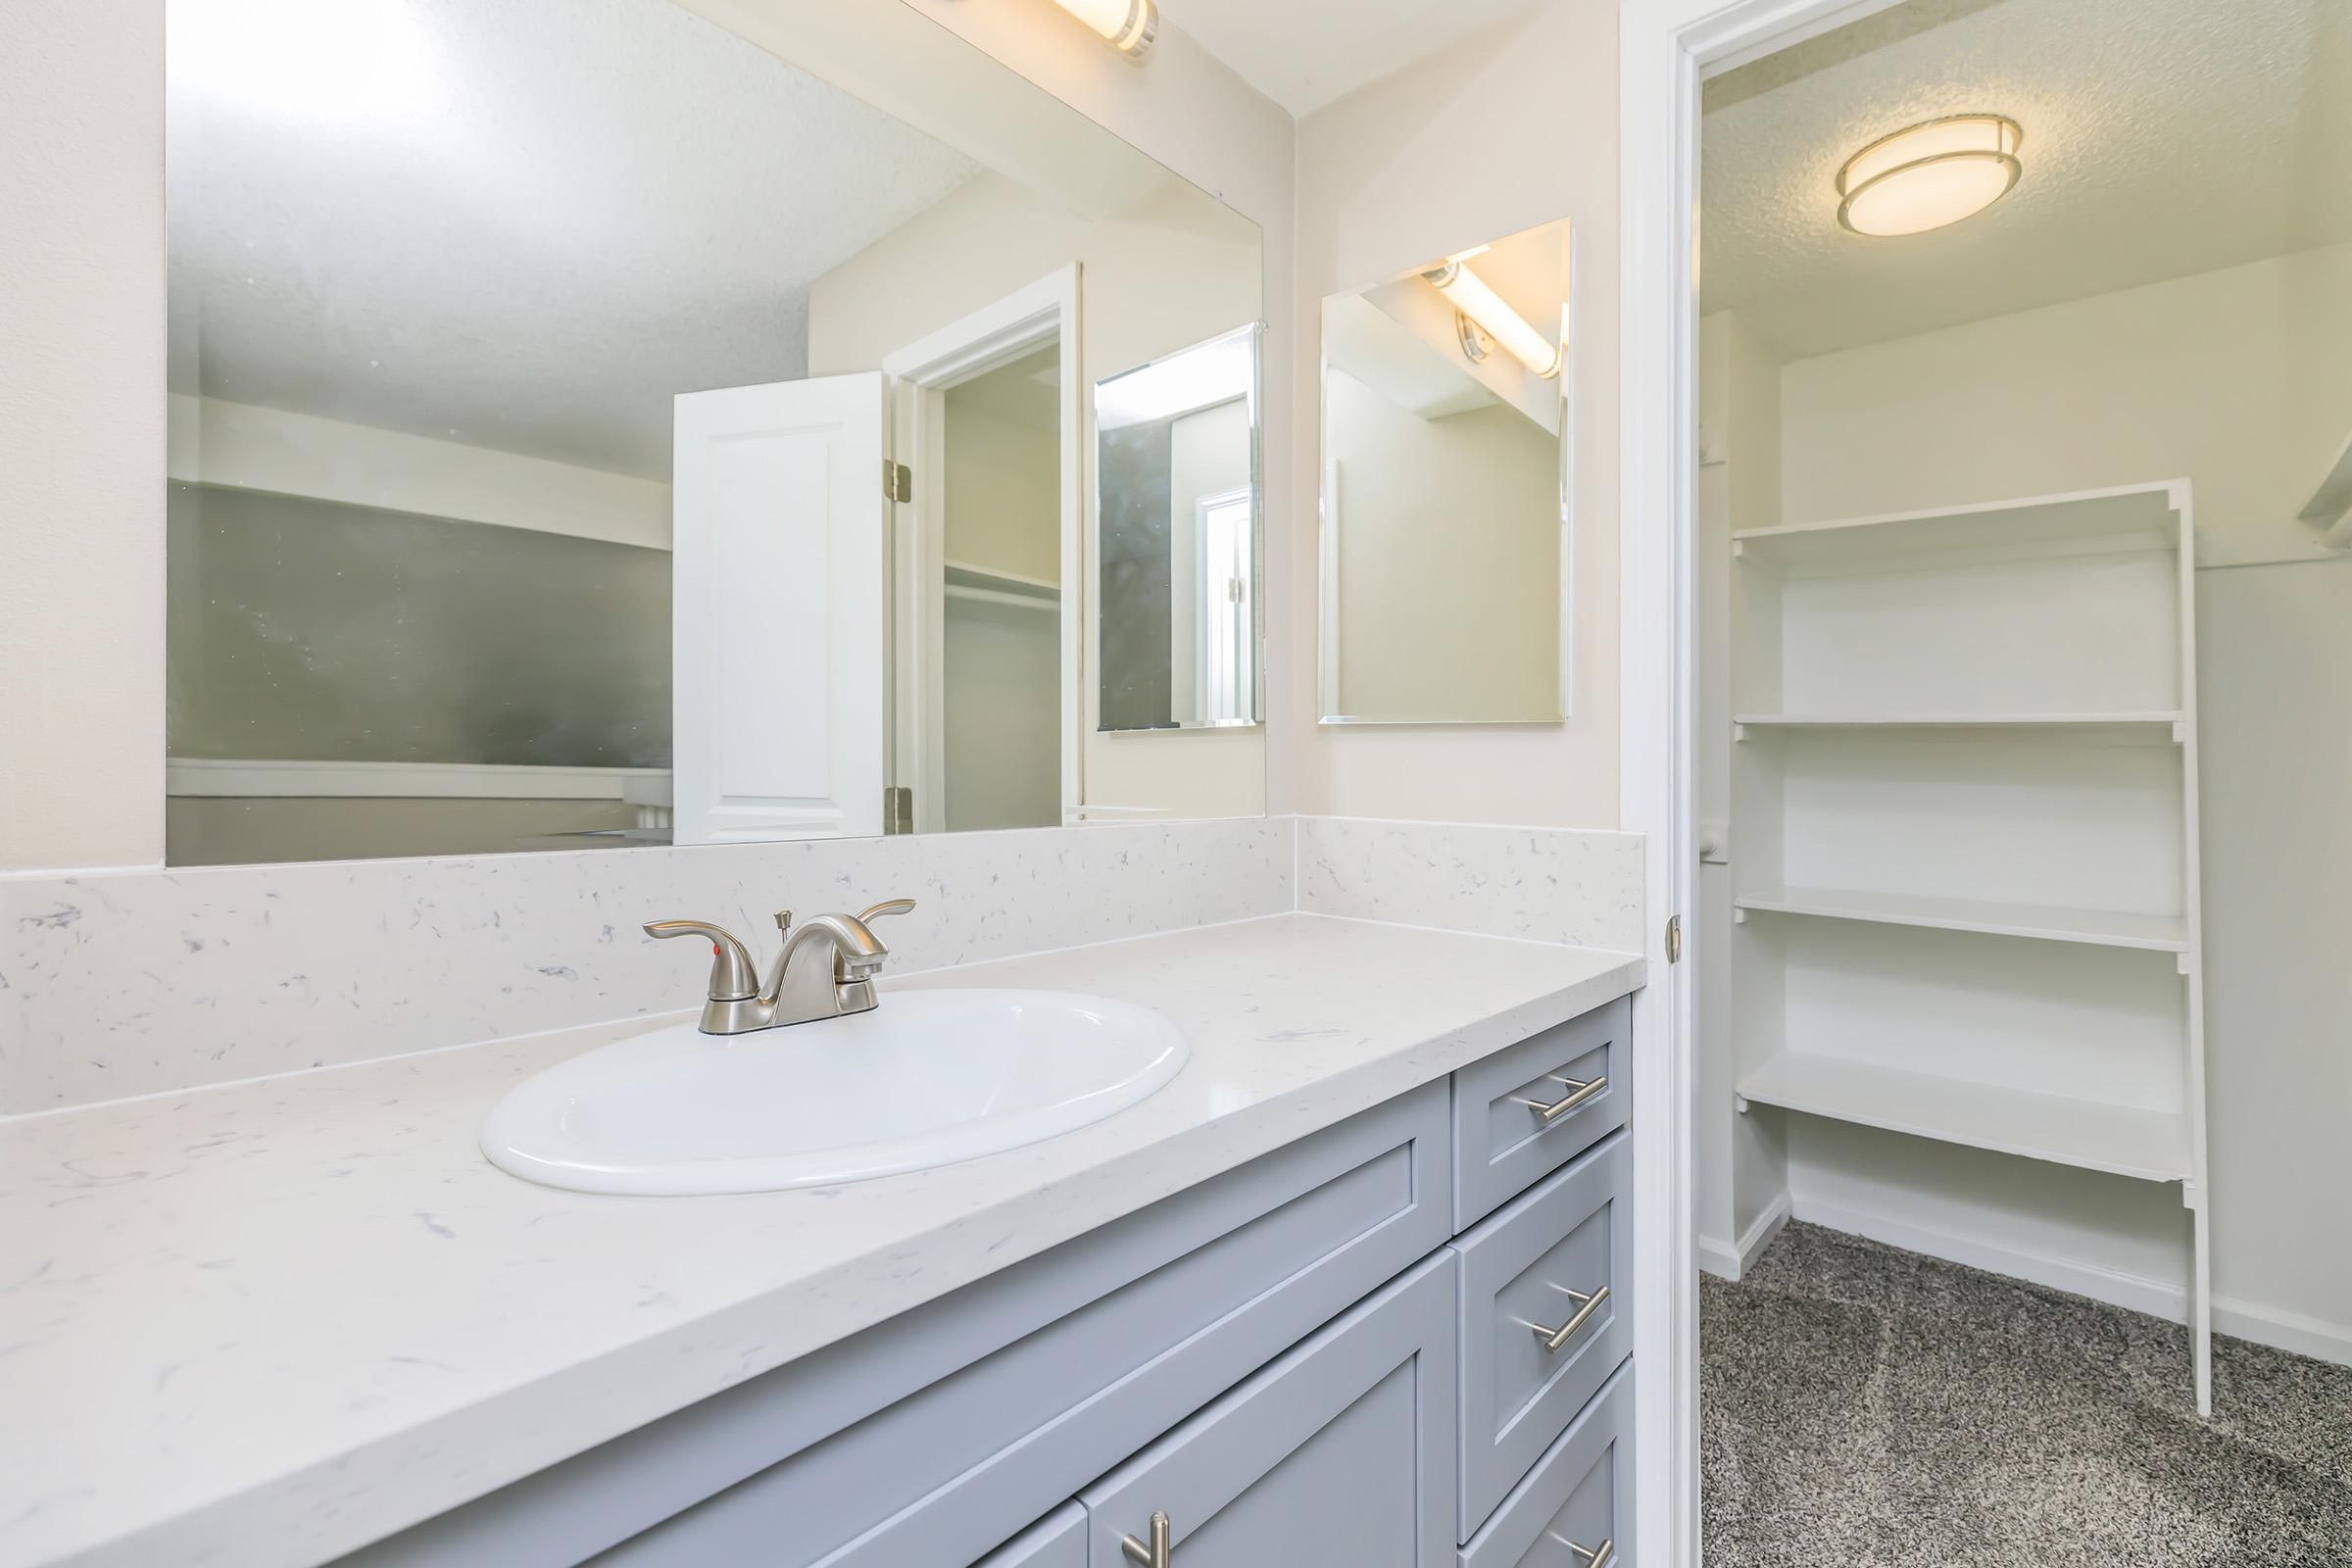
(777, 583)
(1177, 532)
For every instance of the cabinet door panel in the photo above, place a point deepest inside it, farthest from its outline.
(1057, 1541)
(1572, 1233)
(1340, 1451)
(1578, 1498)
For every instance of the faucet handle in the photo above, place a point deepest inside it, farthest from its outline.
(887, 907)
(731, 973)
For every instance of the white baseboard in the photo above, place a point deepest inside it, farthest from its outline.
(1729, 1261)
(2245, 1321)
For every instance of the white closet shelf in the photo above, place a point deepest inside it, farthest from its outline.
(2123, 721)
(2131, 520)
(2105, 928)
(2092, 1134)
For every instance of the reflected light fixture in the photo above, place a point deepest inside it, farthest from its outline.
(1929, 174)
(1480, 307)
(1128, 25)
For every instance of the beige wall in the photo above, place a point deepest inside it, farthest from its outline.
(81, 343)
(1449, 542)
(82, 433)
(1004, 509)
(1506, 129)
(1169, 271)
(2235, 379)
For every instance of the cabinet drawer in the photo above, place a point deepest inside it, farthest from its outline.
(1528, 1266)
(1582, 1490)
(1340, 1451)
(933, 1438)
(1501, 1143)
(1057, 1541)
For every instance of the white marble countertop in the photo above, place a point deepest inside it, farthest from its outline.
(268, 1322)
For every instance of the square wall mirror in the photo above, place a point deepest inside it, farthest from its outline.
(1446, 530)
(1176, 463)
(665, 421)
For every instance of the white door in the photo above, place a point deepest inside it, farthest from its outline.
(777, 647)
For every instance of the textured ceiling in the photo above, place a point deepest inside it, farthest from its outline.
(2162, 137)
(1305, 53)
(522, 224)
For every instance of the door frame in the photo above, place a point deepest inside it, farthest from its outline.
(1665, 49)
(922, 374)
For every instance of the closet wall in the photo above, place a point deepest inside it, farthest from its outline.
(2240, 382)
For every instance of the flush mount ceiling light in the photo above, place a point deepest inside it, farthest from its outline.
(1128, 25)
(1929, 174)
(1481, 308)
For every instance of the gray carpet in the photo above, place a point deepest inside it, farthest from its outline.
(1872, 1408)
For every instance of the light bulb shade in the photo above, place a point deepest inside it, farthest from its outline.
(1128, 25)
(1469, 294)
(1929, 174)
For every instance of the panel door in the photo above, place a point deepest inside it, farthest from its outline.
(1057, 1541)
(1340, 1451)
(777, 649)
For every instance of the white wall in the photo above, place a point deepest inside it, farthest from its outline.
(2240, 380)
(1510, 127)
(82, 345)
(82, 433)
(1740, 1159)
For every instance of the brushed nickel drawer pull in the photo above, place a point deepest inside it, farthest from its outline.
(1577, 1094)
(1157, 1554)
(1599, 1557)
(1554, 1339)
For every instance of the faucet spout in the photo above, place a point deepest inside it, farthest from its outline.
(858, 952)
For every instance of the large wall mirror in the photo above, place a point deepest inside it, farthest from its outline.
(593, 426)
(1445, 547)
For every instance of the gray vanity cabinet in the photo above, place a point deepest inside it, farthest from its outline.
(1340, 1451)
(1057, 1541)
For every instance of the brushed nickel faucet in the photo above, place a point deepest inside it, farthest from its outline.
(834, 981)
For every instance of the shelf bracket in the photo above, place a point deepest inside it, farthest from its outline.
(1740, 1101)
(2179, 732)
(1739, 547)
(1738, 732)
(2182, 964)
(1739, 918)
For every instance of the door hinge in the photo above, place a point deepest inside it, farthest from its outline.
(898, 809)
(897, 481)
(1674, 939)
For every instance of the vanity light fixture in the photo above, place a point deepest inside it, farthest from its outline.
(1929, 174)
(1129, 25)
(1481, 309)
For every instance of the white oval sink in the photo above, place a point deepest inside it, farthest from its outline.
(928, 1078)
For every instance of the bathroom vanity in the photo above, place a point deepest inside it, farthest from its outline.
(1420, 1319)
(1340, 1292)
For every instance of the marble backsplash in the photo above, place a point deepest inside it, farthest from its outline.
(1570, 885)
(119, 984)
(135, 983)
